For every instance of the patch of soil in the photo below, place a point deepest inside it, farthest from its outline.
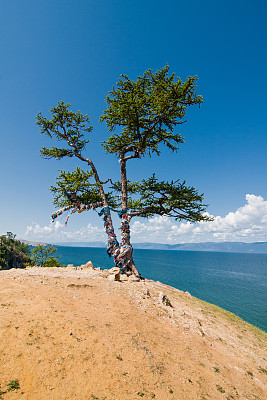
(74, 334)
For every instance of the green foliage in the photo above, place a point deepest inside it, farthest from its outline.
(13, 253)
(164, 198)
(166, 301)
(97, 398)
(220, 389)
(52, 262)
(141, 115)
(76, 187)
(43, 255)
(67, 126)
(11, 386)
(145, 112)
(10, 235)
(2, 252)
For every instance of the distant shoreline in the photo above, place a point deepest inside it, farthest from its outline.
(225, 247)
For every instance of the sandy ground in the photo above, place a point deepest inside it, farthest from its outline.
(73, 334)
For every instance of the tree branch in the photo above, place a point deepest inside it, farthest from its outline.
(78, 207)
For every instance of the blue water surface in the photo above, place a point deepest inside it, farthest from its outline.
(236, 282)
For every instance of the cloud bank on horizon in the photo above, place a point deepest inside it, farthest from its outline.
(247, 224)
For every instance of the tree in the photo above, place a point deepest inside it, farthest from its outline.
(43, 255)
(13, 253)
(11, 235)
(2, 253)
(142, 116)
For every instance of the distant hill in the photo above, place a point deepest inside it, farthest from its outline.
(81, 244)
(31, 243)
(231, 247)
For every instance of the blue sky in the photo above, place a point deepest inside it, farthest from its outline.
(75, 51)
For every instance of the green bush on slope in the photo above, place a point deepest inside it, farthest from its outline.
(13, 253)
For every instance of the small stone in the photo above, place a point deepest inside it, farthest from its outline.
(117, 277)
(89, 265)
(114, 270)
(133, 278)
(71, 333)
(146, 294)
(123, 277)
(105, 273)
(114, 277)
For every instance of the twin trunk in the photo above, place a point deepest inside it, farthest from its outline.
(122, 254)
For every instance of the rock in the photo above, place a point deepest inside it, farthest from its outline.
(165, 300)
(89, 265)
(123, 277)
(114, 270)
(80, 267)
(133, 278)
(105, 273)
(114, 274)
(114, 277)
(146, 294)
(117, 277)
(70, 266)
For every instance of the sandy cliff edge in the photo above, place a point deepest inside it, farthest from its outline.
(74, 334)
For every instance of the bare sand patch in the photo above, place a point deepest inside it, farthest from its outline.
(74, 334)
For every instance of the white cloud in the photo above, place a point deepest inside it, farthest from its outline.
(60, 233)
(247, 224)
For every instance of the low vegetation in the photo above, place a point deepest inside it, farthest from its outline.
(13, 253)
(16, 254)
(11, 386)
(43, 256)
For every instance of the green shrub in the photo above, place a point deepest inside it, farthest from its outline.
(43, 255)
(13, 253)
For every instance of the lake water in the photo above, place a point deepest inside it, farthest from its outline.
(236, 282)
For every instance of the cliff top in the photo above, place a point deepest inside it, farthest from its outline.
(75, 334)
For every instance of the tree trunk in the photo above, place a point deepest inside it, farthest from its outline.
(125, 258)
(113, 247)
(124, 196)
(122, 255)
